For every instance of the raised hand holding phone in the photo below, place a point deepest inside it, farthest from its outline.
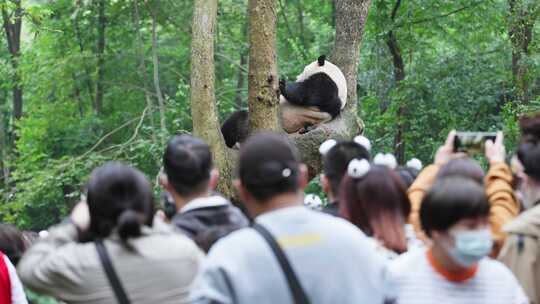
(446, 152)
(495, 151)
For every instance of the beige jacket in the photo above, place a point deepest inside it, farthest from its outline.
(161, 268)
(498, 186)
(521, 251)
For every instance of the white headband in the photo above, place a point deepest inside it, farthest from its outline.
(358, 168)
(327, 145)
(363, 141)
(387, 159)
(415, 163)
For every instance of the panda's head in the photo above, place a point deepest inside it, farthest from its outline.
(324, 66)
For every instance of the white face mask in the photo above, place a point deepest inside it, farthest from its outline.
(470, 246)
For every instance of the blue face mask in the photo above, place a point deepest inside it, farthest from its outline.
(471, 246)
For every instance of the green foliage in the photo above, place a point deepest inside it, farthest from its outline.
(457, 57)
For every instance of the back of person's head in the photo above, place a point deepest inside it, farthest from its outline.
(407, 175)
(377, 203)
(119, 196)
(268, 165)
(462, 167)
(336, 160)
(450, 200)
(529, 148)
(187, 163)
(12, 242)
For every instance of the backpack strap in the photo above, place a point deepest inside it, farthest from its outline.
(116, 285)
(297, 291)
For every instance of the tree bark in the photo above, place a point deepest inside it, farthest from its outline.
(12, 24)
(157, 86)
(203, 103)
(350, 20)
(263, 91)
(522, 18)
(102, 24)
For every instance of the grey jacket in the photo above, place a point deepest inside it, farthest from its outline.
(160, 269)
(521, 251)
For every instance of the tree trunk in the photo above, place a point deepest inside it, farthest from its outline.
(238, 99)
(522, 18)
(157, 86)
(399, 75)
(12, 24)
(87, 77)
(263, 90)
(203, 103)
(143, 69)
(350, 20)
(102, 24)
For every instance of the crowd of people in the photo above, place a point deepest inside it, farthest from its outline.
(447, 233)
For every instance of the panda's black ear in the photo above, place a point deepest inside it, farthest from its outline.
(321, 60)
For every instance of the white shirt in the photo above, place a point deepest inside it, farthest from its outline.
(416, 281)
(331, 258)
(17, 291)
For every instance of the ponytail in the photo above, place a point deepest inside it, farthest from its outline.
(129, 224)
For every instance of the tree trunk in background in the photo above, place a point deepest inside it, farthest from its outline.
(350, 20)
(263, 90)
(12, 24)
(87, 77)
(155, 61)
(102, 24)
(142, 68)
(203, 103)
(522, 17)
(399, 75)
(239, 97)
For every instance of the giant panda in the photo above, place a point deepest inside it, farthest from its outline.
(321, 84)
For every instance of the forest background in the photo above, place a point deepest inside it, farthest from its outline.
(87, 81)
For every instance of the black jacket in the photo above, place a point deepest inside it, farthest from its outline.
(209, 219)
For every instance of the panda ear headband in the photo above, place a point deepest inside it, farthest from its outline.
(415, 163)
(388, 160)
(330, 143)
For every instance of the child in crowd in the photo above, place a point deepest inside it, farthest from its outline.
(455, 268)
(336, 156)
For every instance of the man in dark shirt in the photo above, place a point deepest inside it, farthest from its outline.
(190, 179)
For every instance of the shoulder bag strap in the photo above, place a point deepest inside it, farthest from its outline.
(116, 285)
(297, 291)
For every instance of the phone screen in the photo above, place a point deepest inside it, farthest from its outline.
(472, 142)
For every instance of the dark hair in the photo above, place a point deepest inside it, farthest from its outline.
(450, 200)
(407, 175)
(119, 196)
(268, 165)
(335, 162)
(12, 242)
(378, 204)
(529, 148)
(462, 167)
(187, 162)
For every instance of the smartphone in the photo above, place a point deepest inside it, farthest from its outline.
(472, 142)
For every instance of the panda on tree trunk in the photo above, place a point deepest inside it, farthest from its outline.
(320, 92)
